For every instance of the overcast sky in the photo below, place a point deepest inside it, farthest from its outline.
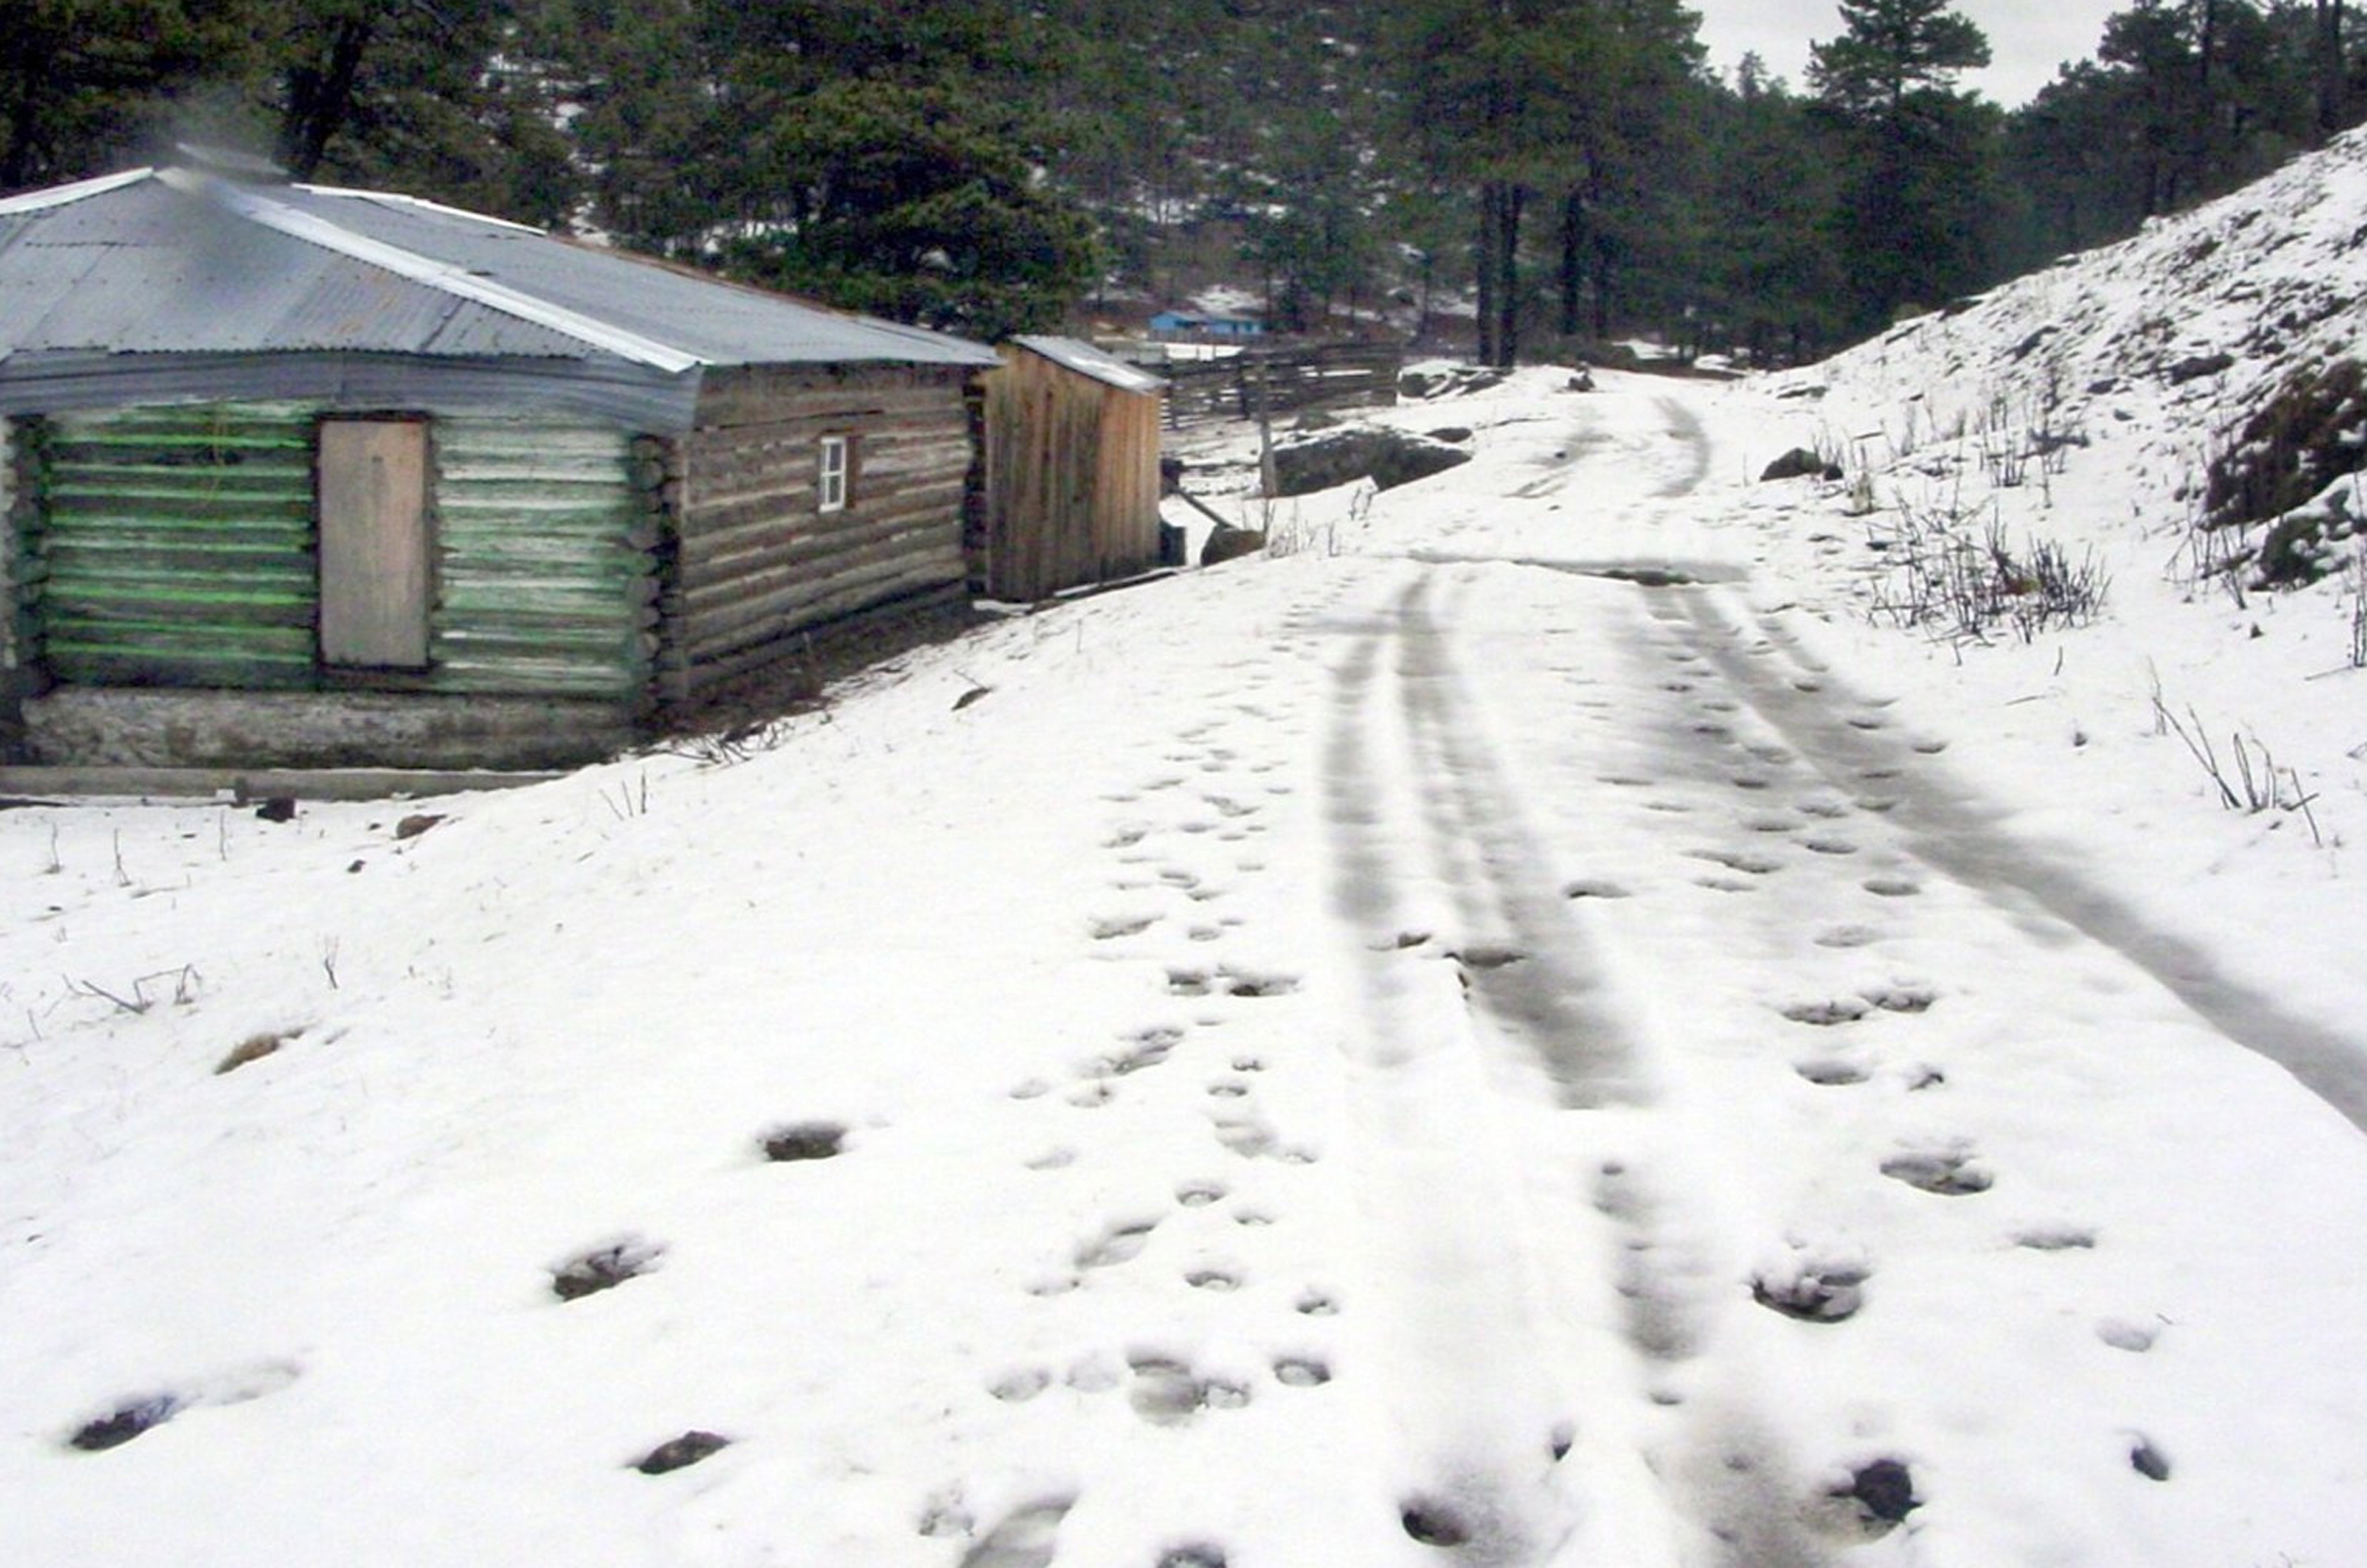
(2027, 38)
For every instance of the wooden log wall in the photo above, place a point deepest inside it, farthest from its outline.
(546, 561)
(1333, 375)
(12, 555)
(759, 565)
(177, 546)
(1073, 479)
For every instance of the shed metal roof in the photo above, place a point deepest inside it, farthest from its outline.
(1086, 360)
(178, 262)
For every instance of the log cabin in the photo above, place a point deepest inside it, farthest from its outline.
(298, 476)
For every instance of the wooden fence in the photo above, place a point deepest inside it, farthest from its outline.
(1281, 381)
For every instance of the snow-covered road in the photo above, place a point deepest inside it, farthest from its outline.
(1486, 1044)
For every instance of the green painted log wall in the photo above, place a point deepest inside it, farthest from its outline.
(176, 547)
(546, 575)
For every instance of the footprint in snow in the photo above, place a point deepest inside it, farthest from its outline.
(1891, 887)
(1828, 1072)
(1025, 1539)
(1145, 1048)
(1019, 1386)
(1167, 1392)
(681, 1452)
(1302, 1371)
(2123, 1334)
(604, 1267)
(1111, 927)
(1948, 1172)
(1119, 1242)
(1748, 862)
(1841, 1010)
(1594, 889)
(1814, 1291)
(127, 1420)
(1434, 1521)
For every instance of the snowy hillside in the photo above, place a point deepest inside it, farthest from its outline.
(1557, 1020)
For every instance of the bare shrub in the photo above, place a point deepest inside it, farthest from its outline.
(1964, 586)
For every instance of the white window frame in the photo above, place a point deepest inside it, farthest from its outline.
(834, 468)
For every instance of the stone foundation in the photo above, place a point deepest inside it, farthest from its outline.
(121, 727)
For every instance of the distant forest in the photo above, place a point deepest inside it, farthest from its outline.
(992, 165)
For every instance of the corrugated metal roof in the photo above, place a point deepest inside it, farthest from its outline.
(1086, 360)
(721, 323)
(177, 263)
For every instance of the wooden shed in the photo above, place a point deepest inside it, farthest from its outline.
(1072, 470)
(303, 476)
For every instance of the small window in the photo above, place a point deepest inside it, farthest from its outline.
(837, 469)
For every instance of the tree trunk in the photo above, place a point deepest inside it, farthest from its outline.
(321, 97)
(1572, 262)
(2326, 52)
(1602, 292)
(16, 162)
(1499, 273)
(1485, 255)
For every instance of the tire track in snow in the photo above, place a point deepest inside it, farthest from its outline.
(1518, 1240)
(1959, 836)
(1684, 428)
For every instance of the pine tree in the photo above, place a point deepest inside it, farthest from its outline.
(1914, 207)
(83, 83)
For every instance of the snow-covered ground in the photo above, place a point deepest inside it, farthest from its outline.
(1534, 1028)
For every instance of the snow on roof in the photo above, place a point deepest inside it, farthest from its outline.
(1086, 360)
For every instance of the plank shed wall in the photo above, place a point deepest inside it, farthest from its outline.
(759, 567)
(1073, 479)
